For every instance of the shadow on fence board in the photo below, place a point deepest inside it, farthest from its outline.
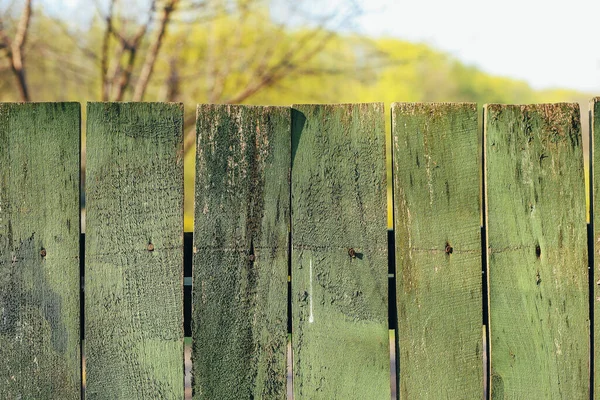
(339, 296)
(298, 189)
(39, 251)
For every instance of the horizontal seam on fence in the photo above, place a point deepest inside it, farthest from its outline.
(454, 250)
(15, 260)
(346, 248)
(240, 249)
(505, 249)
(130, 251)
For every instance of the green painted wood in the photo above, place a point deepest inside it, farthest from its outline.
(240, 262)
(537, 252)
(134, 251)
(438, 250)
(39, 251)
(595, 216)
(339, 301)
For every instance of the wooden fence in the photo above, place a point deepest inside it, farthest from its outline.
(491, 252)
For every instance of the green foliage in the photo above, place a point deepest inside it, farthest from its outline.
(216, 58)
(238, 53)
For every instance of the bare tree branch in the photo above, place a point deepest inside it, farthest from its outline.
(14, 50)
(119, 77)
(105, 43)
(151, 56)
(283, 68)
(90, 54)
(113, 76)
(132, 48)
(300, 53)
(173, 82)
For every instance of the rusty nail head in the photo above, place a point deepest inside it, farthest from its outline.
(150, 247)
(251, 257)
(351, 252)
(43, 252)
(449, 249)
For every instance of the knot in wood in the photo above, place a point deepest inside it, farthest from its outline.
(351, 253)
(449, 249)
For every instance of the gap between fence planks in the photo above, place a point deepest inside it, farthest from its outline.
(134, 251)
(39, 251)
(438, 250)
(537, 252)
(241, 238)
(339, 253)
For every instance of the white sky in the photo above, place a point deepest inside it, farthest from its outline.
(550, 43)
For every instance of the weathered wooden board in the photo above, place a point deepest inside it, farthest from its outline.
(134, 251)
(339, 295)
(595, 219)
(537, 252)
(438, 250)
(39, 251)
(241, 240)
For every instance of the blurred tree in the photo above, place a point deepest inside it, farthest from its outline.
(13, 49)
(224, 36)
(116, 80)
(227, 51)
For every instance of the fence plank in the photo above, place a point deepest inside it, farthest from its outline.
(241, 235)
(537, 252)
(39, 251)
(339, 297)
(595, 246)
(438, 250)
(134, 251)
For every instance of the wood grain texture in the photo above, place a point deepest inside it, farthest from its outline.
(241, 237)
(39, 210)
(537, 252)
(595, 207)
(339, 301)
(134, 251)
(436, 156)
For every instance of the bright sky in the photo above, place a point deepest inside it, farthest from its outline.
(548, 43)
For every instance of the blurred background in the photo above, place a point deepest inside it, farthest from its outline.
(280, 52)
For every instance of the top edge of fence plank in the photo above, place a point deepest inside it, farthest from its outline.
(592, 104)
(376, 104)
(531, 106)
(129, 103)
(408, 105)
(246, 106)
(339, 248)
(38, 103)
(39, 250)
